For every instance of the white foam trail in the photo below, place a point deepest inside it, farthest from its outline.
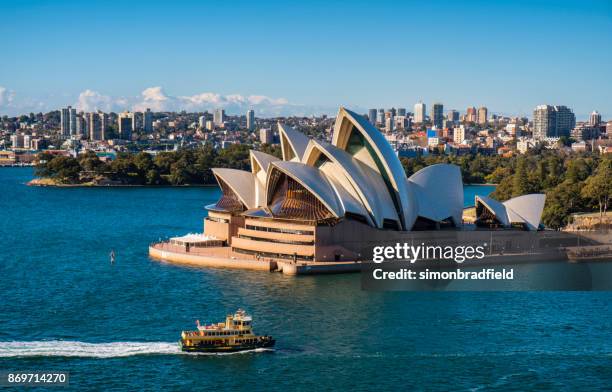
(65, 348)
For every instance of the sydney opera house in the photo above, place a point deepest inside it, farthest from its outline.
(323, 202)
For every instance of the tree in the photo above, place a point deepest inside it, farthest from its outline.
(90, 162)
(64, 169)
(520, 181)
(498, 175)
(178, 173)
(205, 158)
(143, 164)
(153, 177)
(42, 165)
(123, 168)
(503, 191)
(598, 188)
(164, 161)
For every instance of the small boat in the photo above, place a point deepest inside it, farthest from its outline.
(235, 334)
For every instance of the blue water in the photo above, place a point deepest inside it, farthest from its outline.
(64, 307)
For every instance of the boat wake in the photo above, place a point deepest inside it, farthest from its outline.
(65, 348)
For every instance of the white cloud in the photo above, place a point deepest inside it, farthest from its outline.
(91, 101)
(6, 97)
(156, 99)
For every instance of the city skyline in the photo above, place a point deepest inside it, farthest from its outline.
(281, 60)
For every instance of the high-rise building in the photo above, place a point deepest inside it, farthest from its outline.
(381, 116)
(27, 141)
(103, 125)
(459, 134)
(250, 118)
(452, 115)
(437, 115)
(68, 121)
(544, 119)
(552, 121)
(148, 121)
(94, 129)
(125, 121)
(483, 115)
(65, 121)
(470, 114)
(566, 121)
(81, 125)
(137, 121)
(420, 112)
(219, 117)
(266, 136)
(73, 121)
(389, 124)
(595, 118)
(202, 122)
(372, 116)
(17, 141)
(401, 111)
(402, 122)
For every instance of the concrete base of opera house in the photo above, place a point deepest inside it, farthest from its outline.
(220, 257)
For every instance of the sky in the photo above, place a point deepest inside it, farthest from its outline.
(286, 58)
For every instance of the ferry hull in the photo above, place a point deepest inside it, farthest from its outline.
(227, 349)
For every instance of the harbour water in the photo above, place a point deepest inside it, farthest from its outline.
(64, 307)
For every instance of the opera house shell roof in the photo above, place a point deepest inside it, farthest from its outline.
(356, 176)
(525, 211)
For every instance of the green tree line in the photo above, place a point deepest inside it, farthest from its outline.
(182, 167)
(572, 183)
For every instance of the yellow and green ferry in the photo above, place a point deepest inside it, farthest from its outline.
(235, 334)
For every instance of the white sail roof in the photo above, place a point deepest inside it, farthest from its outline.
(310, 178)
(260, 162)
(529, 208)
(362, 182)
(293, 143)
(526, 209)
(495, 207)
(241, 182)
(379, 155)
(439, 192)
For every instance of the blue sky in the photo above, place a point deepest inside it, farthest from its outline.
(311, 57)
